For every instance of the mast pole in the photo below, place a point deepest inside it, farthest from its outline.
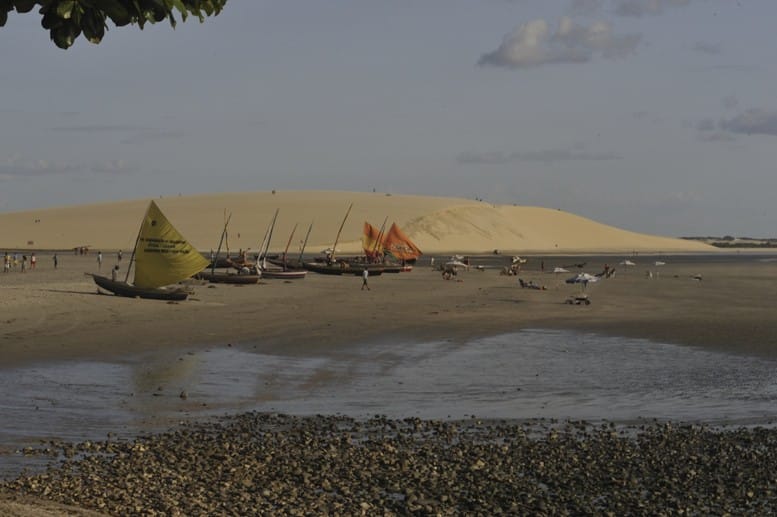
(380, 235)
(135, 247)
(223, 234)
(269, 238)
(288, 244)
(305, 243)
(334, 247)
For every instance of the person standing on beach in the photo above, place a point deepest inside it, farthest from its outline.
(99, 260)
(365, 276)
(118, 255)
(33, 261)
(56, 260)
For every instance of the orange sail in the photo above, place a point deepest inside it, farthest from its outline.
(372, 240)
(399, 245)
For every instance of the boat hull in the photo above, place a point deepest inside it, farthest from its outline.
(284, 275)
(132, 291)
(227, 278)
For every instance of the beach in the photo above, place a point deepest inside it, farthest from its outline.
(52, 314)
(102, 380)
(714, 302)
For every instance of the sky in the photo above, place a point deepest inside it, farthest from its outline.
(655, 116)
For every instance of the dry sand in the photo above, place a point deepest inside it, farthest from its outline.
(50, 314)
(435, 224)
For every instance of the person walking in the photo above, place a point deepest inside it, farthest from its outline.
(365, 276)
(33, 261)
(56, 260)
(99, 260)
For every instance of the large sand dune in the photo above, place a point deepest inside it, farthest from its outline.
(436, 224)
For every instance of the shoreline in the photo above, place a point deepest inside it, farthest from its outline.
(56, 314)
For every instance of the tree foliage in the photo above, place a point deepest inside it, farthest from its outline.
(66, 20)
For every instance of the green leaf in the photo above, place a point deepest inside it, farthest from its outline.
(65, 36)
(24, 6)
(65, 9)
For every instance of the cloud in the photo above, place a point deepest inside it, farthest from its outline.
(96, 128)
(716, 136)
(151, 135)
(135, 134)
(586, 7)
(753, 121)
(546, 156)
(729, 102)
(532, 44)
(112, 167)
(712, 49)
(15, 167)
(639, 8)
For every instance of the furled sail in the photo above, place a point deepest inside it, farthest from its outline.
(399, 245)
(162, 255)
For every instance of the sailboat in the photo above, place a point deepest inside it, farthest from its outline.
(274, 271)
(330, 265)
(162, 256)
(244, 273)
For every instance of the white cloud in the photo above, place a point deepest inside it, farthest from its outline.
(712, 49)
(545, 156)
(532, 44)
(752, 121)
(639, 8)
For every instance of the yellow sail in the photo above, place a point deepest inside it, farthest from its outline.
(162, 255)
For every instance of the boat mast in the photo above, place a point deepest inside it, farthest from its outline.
(334, 247)
(135, 247)
(269, 238)
(380, 236)
(288, 244)
(223, 235)
(305, 243)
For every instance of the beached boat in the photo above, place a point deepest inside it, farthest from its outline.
(278, 271)
(244, 271)
(227, 277)
(162, 256)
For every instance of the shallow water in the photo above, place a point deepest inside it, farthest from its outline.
(525, 375)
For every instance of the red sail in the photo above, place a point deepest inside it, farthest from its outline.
(399, 245)
(371, 240)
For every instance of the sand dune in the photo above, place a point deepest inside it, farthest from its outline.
(436, 224)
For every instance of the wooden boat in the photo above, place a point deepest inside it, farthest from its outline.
(223, 277)
(290, 274)
(162, 256)
(323, 268)
(278, 271)
(239, 270)
(131, 291)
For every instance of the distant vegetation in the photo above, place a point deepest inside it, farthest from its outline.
(729, 241)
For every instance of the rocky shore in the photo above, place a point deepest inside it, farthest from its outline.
(270, 464)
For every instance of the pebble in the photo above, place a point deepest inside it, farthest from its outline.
(270, 464)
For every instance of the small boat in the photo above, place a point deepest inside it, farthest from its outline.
(279, 271)
(324, 268)
(222, 277)
(239, 271)
(162, 256)
(289, 274)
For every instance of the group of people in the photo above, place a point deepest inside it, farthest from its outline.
(12, 262)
